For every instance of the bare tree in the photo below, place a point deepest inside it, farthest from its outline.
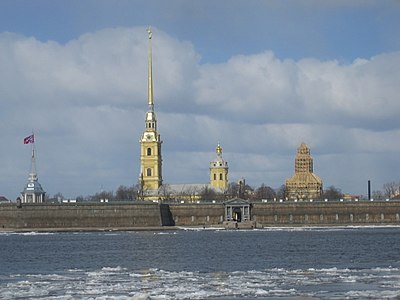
(165, 192)
(378, 195)
(141, 188)
(207, 193)
(281, 193)
(126, 193)
(332, 193)
(264, 192)
(103, 196)
(56, 198)
(233, 189)
(391, 189)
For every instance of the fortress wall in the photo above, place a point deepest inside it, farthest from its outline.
(326, 213)
(197, 214)
(130, 215)
(80, 215)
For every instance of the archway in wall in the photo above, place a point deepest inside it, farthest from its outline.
(237, 214)
(237, 210)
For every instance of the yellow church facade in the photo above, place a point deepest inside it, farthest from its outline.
(219, 171)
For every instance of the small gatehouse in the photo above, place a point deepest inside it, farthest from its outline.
(237, 210)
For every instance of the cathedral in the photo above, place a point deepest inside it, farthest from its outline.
(150, 179)
(304, 184)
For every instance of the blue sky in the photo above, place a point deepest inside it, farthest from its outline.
(342, 30)
(258, 76)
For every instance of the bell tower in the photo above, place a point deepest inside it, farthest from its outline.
(219, 171)
(150, 177)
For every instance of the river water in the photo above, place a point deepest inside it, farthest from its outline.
(276, 263)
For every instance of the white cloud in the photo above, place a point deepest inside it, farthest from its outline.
(86, 101)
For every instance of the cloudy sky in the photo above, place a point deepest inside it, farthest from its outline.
(260, 77)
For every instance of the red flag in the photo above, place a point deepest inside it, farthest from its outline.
(29, 139)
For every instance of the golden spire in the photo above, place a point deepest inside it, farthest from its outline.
(150, 72)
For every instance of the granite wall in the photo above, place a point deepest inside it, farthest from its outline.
(81, 215)
(326, 213)
(134, 215)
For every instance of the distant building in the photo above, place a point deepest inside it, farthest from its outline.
(4, 200)
(33, 191)
(304, 184)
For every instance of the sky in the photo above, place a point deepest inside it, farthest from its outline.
(259, 77)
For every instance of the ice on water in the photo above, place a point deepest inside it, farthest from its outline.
(259, 264)
(121, 283)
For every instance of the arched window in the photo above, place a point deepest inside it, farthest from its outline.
(148, 151)
(215, 176)
(220, 176)
(148, 172)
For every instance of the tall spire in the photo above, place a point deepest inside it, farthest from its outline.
(151, 121)
(150, 73)
(150, 142)
(32, 174)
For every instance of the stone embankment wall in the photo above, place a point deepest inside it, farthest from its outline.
(326, 213)
(292, 213)
(81, 215)
(200, 214)
(135, 215)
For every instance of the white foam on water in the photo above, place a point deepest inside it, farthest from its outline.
(372, 294)
(390, 269)
(165, 233)
(201, 228)
(120, 283)
(140, 296)
(30, 233)
(324, 228)
(113, 269)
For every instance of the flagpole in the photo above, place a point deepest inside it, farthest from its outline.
(33, 166)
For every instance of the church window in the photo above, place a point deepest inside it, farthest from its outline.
(215, 176)
(148, 151)
(220, 176)
(148, 172)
